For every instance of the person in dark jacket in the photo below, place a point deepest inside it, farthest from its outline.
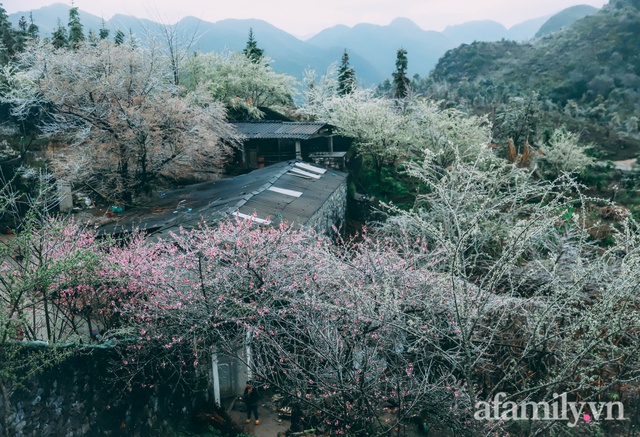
(251, 399)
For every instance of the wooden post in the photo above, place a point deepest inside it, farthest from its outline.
(244, 156)
(330, 144)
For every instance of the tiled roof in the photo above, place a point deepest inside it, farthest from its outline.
(270, 193)
(279, 129)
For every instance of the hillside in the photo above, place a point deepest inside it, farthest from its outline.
(587, 76)
(565, 18)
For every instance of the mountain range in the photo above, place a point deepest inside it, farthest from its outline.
(372, 48)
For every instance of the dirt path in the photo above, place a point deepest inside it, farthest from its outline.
(269, 425)
(626, 164)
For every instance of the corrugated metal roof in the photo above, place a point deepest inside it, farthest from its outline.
(247, 194)
(279, 129)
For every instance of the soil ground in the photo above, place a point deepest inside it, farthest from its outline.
(625, 164)
(269, 426)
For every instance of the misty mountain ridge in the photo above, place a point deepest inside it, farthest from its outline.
(372, 48)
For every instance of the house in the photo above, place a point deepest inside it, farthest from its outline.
(268, 142)
(291, 191)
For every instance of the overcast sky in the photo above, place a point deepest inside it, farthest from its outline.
(301, 17)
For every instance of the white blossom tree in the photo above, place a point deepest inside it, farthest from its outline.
(564, 153)
(124, 119)
(450, 133)
(533, 307)
(238, 82)
(376, 124)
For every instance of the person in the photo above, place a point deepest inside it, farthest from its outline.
(251, 398)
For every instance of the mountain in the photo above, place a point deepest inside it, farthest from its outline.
(372, 48)
(289, 54)
(565, 19)
(128, 24)
(485, 30)
(379, 44)
(527, 29)
(587, 76)
(47, 18)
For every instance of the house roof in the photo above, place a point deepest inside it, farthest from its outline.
(282, 129)
(290, 191)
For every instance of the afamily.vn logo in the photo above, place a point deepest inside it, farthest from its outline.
(558, 409)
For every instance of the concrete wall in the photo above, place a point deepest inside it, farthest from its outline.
(333, 211)
(232, 376)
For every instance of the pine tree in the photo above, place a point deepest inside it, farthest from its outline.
(92, 38)
(104, 32)
(76, 35)
(59, 38)
(346, 76)
(20, 37)
(400, 80)
(7, 40)
(119, 37)
(384, 89)
(22, 24)
(133, 41)
(33, 30)
(252, 51)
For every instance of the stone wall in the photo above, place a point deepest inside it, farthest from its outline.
(332, 212)
(82, 397)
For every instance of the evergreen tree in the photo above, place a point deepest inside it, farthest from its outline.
(33, 30)
(133, 41)
(59, 38)
(252, 51)
(119, 37)
(385, 89)
(104, 32)
(400, 80)
(22, 24)
(7, 40)
(76, 35)
(92, 38)
(4, 18)
(346, 76)
(20, 37)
